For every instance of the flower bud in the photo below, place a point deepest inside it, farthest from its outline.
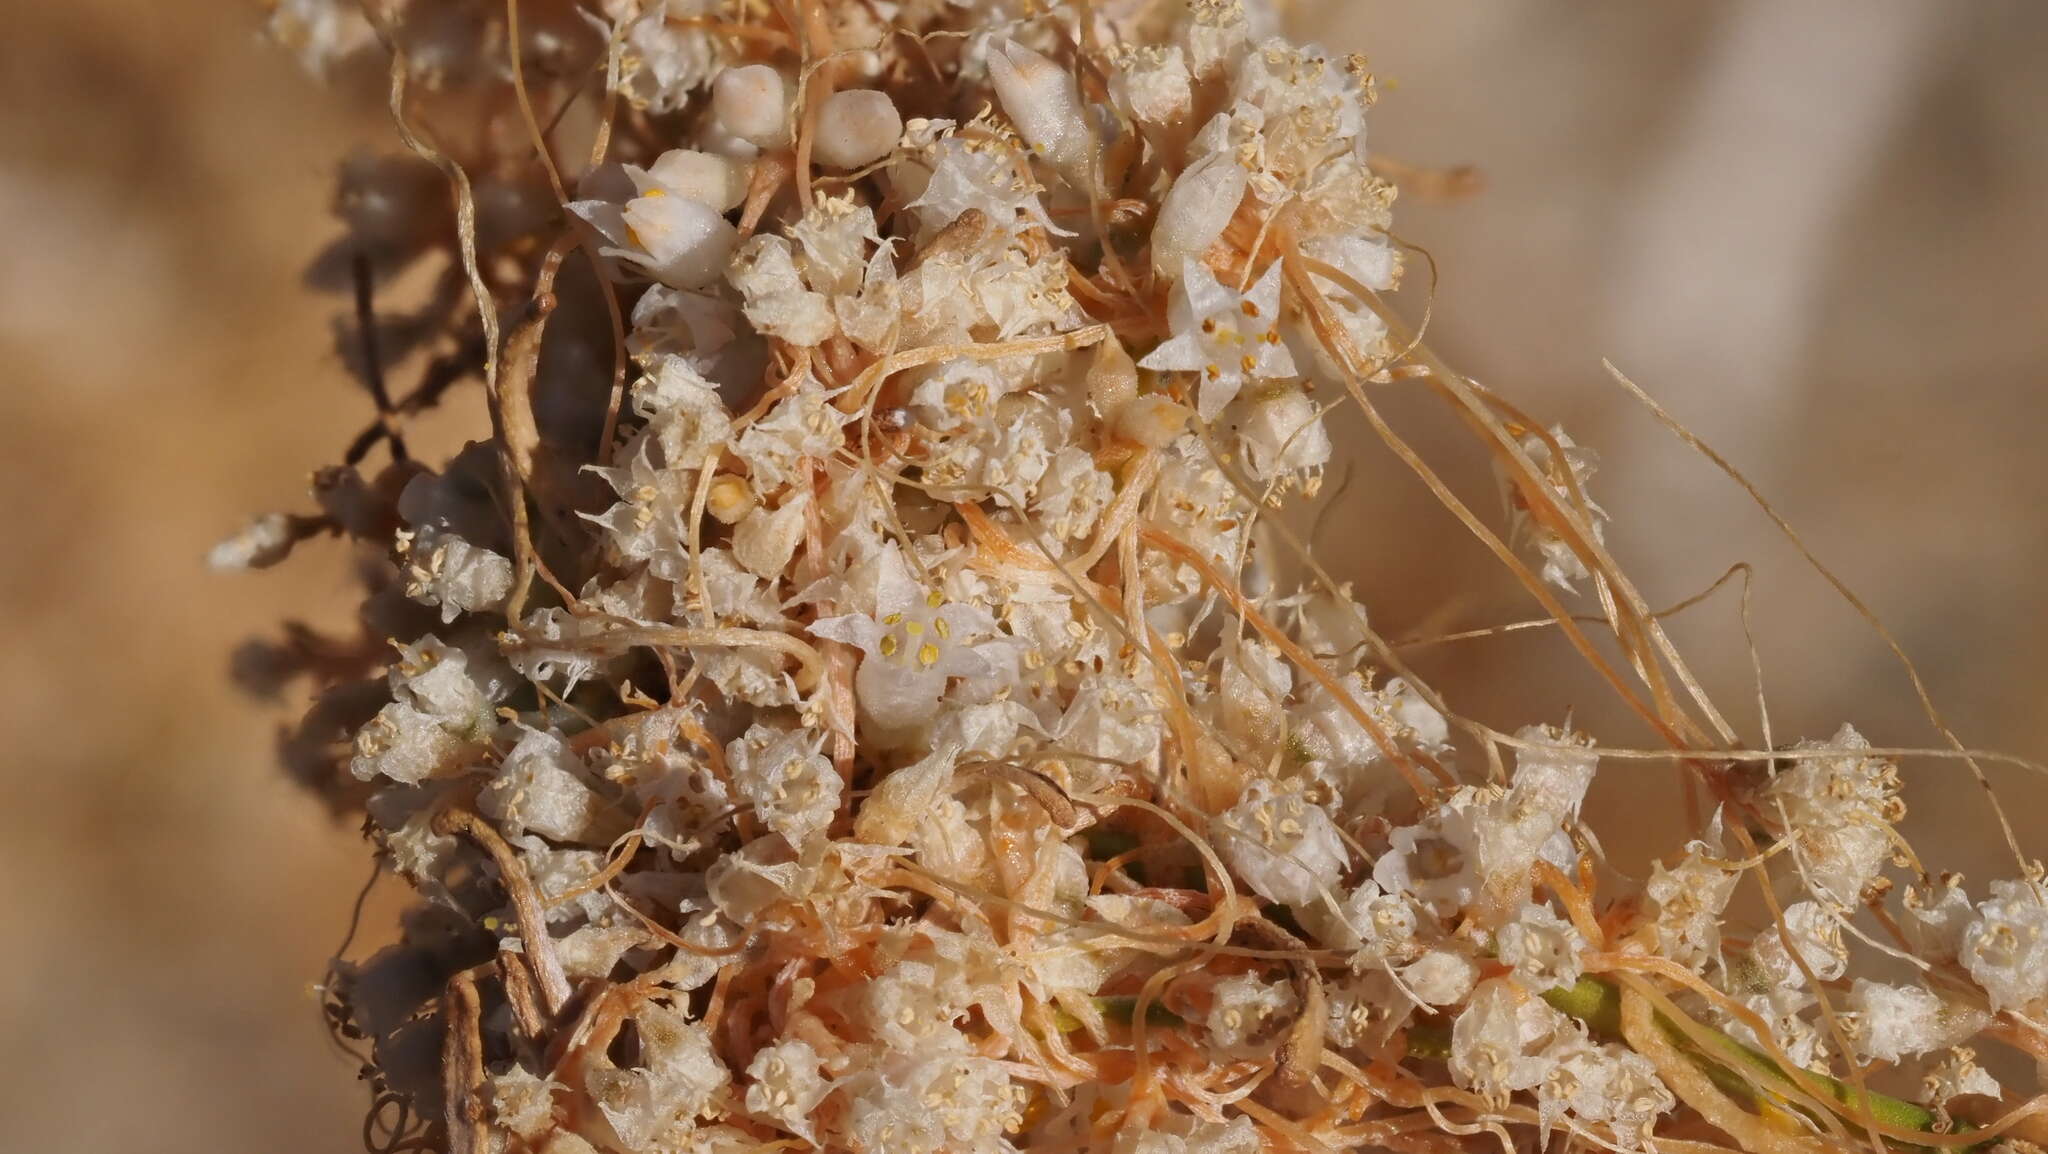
(751, 103)
(729, 499)
(717, 181)
(1112, 378)
(1195, 211)
(856, 127)
(1153, 420)
(1040, 99)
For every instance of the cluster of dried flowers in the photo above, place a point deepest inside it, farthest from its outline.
(861, 697)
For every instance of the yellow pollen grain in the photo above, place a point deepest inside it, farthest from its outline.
(893, 619)
(888, 646)
(928, 655)
(935, 599)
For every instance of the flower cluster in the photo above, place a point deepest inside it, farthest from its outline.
(856, 697)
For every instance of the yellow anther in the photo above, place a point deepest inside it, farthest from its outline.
(928, 655)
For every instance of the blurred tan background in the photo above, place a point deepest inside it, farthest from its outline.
(1813, 228)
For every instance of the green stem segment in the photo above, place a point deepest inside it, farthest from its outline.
(1597, 1003)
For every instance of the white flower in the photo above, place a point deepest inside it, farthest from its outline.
(592, 952)
(1365, 1008)
(2005, 947)
(1543, 948)
(444, 570)
(1280, 844)
(780, 772)
(776, 300)
(1935, 924)
(540, 787)
(1838, 812)
(1437, 860)
(665, 58)
(924, 1103)
(1228, 338)
(803, 426)
(958, 394)
(1282, 432)
(703, 329)
(684, 414)
(1686, 901)
(659, 1099)
(786, 1086)
(1152, 83)
(673, 225)
(1323, 733)
(1610, 1084)
(1384, 924)
(1440, 977)
(1888, 1023)
(765, 539)
(837, 234)
(408, 746)
(1072, 492)
(439, 716)
(648, 523)
(1245, 1007)
(1551, 778)
(981, 175)
(1110, 719)
(1311, 105)
(1561, 564)
(1217, 34)
(523, 1102)
(449, 684)
(912, 643)
(1499, 1040)
(1815, 936)
(1957, 1073)
(452, 556)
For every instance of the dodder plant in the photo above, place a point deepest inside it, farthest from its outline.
(861, 695)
